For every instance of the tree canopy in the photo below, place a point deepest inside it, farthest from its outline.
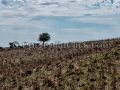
(44, 37)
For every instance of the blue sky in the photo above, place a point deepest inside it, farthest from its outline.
(64, 20)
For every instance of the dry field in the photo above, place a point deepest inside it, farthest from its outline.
(61, 68)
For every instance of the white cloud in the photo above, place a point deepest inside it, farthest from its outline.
(71, 29)
(106, 20)
(62, 7)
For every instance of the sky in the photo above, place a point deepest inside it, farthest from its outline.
(65, 20)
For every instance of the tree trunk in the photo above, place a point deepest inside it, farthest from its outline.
(43, 42)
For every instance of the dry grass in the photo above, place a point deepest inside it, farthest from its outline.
(60, 69)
